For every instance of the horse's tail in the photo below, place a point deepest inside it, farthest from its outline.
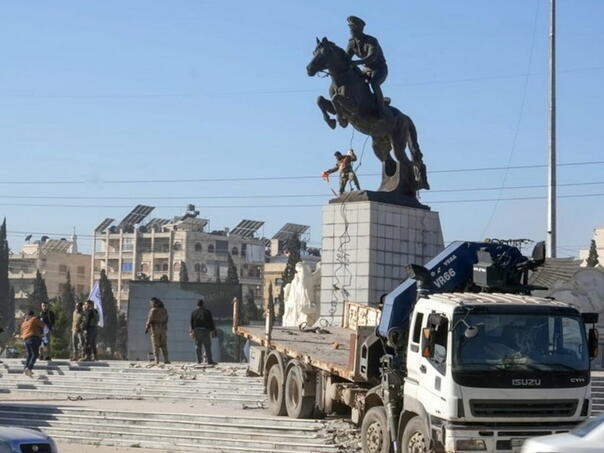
(417, 156)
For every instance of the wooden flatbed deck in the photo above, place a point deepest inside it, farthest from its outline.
(316, 349)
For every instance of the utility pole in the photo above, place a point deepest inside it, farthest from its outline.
(551, 176)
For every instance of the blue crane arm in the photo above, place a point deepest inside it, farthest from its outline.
(451, 270)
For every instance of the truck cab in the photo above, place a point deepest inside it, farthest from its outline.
(486, 371)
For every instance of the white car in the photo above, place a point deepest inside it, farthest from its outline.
(23, 440)
(586, 438)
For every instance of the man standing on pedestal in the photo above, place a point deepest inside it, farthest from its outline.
(344, 167)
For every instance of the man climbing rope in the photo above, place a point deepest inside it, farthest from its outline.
(344, 167)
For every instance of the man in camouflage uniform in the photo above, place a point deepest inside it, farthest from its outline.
(157, 324)
(344, 167)
(90, 323)
(77, 332)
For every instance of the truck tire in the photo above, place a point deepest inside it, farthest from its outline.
(375, 437)
(298, 406)
(415, 438)
(274, 390)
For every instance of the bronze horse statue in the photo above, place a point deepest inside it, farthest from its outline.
(352, 102)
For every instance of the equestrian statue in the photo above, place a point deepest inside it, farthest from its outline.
(352, 101)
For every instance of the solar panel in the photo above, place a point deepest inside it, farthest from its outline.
(56, 245)
(247, 228)
(156, 223)
(103, 225)
(136, 216)
(290, 229)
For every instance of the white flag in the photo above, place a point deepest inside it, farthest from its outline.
(95, 296)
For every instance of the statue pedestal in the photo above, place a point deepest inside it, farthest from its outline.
(366, 245)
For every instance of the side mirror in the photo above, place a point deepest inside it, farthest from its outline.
(593, 343)
(427, 342)
(538, 256)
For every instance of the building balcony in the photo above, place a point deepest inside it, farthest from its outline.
(22, 275)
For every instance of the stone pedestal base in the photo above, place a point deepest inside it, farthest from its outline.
(366, 245)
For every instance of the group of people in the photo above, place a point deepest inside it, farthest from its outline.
(84, 329)
(202, 329)
(36, 332)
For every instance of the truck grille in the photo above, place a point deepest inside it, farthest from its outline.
(35, 448)
(523, 408)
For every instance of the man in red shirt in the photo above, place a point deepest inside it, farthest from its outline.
(32, 330)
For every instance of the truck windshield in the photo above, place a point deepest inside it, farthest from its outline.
(519, 342)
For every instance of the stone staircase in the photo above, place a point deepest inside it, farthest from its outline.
(121, 380)
(173, 431)
(138, 405)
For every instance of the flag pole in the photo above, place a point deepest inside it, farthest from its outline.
(551, 176)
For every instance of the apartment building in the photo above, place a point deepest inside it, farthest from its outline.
(53, 258)
(155, 250)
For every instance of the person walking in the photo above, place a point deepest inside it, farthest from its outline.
(47, 316)
(32, 330)
(202, 330)
(157, 324)
(77, 332)
(90, 325)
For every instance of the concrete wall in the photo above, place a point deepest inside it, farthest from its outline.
(180, 300)
(586, 292)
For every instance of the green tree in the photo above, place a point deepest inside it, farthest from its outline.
(61, 332)
(293, 249)
(7, 310)
(232, 277)
(11, 321)
(184, 273)
(592, 259)
(108, 333)
(250, 308)
(39, 294)
(67, 297)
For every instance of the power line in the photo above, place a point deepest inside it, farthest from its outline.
(277, 196)
(191, 95)
(289, 178)
(92, 206)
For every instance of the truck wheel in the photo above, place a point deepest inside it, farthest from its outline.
(415, 437)
(274, 389)
(375, 437)
(298, 406)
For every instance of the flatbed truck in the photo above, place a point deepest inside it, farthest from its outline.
(460, 357)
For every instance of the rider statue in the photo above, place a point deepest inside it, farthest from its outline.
(368, 49)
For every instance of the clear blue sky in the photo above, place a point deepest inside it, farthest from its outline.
(144, 90)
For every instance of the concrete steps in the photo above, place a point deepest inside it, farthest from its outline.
(175, 432)
(124, 380)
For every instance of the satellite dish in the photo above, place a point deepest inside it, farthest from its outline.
(28, 238)
(44, 238)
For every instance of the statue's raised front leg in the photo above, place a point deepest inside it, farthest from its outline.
(339, 104)
(326, 108)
